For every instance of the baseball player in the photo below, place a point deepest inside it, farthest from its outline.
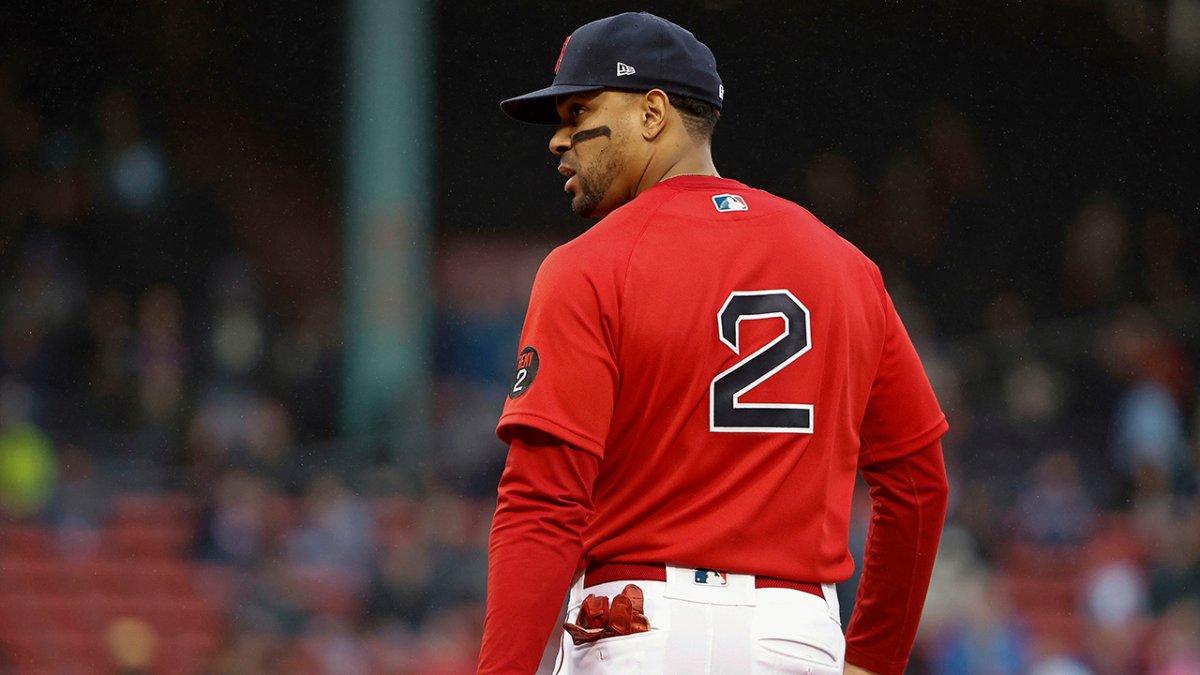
(701, 374)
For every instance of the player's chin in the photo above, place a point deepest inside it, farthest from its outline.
(589, 211)
(584, 207)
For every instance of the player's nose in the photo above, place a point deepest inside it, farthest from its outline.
(560, 142)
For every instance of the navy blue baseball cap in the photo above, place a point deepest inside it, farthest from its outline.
(631, 51)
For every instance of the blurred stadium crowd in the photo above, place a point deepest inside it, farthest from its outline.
(168, 501)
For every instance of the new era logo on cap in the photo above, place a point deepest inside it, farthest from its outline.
(623, 69)
(729, 203)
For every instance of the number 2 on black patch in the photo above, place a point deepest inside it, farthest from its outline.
(726, 411)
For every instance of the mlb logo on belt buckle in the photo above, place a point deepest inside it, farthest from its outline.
(711, 578)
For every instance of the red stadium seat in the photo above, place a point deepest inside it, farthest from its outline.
(1043, 583)
(147, 541)
(30, 575)
(172, 615)
(325, 590)
(1052, 559)
(25, 542)
(80, 652)
(154, 509)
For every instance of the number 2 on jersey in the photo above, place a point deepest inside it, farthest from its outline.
(726, 411)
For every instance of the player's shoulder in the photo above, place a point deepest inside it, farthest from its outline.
(815, 227)
(608, 240)
(826, 242)
(594, 254)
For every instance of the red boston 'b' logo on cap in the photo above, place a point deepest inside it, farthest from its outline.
(560, 54)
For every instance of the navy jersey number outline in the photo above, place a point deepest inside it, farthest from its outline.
(726, 411)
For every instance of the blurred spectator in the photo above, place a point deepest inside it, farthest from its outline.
(274, 602)
(985, 641)
(1115, 603)
(952, 147)
(237, 339)
(113, 365)
(1116, 595)
(1032, 393)
(457, 529)
(1059, 663)
(134, 169)
(401, 587)
(78, 505)
(236, 529)
(336, 533)
(1163, 247)
(337, 647)
(1095, 264)
(149, 340)
(162, 356)
(1149, 431)
(960, 580)
(1175, 648)
(269, 438)
(1173, 542)
(1183, 42)
(1054, 508)
(470, 458)
(1148, 425)
(904, 208)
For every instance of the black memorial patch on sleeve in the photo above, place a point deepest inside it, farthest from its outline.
(527, 367)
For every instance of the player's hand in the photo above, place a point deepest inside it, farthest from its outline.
(852, 669)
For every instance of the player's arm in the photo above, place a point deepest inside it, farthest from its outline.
(545, 499)
(908, 509)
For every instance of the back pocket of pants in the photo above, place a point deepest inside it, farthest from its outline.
(640, 652)
(780, 656)
(794, 633)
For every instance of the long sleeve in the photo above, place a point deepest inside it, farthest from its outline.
(908, 498)
(535, 546)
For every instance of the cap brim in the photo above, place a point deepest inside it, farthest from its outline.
(538, 107)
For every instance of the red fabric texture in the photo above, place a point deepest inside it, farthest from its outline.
(536, 541)
(627, 320)
(908, 509)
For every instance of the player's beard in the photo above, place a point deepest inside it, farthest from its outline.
(594, 187)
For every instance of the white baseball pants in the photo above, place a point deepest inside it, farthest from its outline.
(713, 630)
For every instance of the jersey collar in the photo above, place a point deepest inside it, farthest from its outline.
(700, 183)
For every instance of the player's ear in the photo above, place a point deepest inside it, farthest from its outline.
(654, 107)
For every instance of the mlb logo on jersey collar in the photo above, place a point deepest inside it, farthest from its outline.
(726, 203)
(711, 578)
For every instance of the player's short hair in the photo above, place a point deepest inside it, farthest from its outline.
(699, 118)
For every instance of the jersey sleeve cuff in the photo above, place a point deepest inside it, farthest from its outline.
(883, 453)
(509, 422)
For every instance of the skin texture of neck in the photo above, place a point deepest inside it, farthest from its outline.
(700, 165)
(679, 157)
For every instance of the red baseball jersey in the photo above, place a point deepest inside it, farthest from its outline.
(731, 361)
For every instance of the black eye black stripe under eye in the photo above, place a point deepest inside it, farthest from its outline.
(588, 134)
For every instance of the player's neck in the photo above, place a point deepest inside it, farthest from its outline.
(697, 162)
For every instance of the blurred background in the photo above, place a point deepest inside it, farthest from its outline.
(263, 268)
